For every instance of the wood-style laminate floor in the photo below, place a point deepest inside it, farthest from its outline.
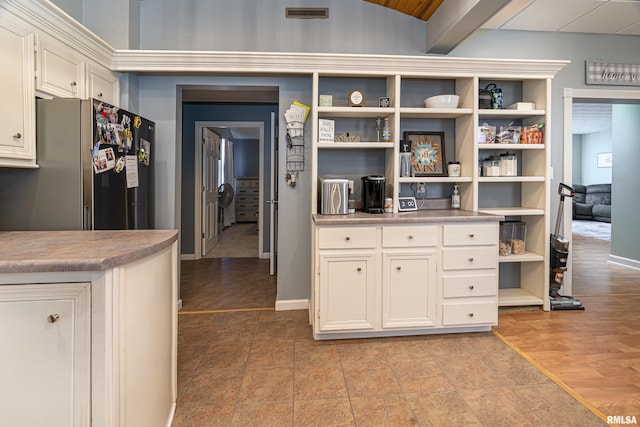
(241, 363)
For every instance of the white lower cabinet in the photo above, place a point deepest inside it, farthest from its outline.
(398, 279)
(45, 354)
(408, 290)
(347, 291)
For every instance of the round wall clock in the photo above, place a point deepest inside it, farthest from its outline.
(356, 98)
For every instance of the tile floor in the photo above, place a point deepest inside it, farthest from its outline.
(259, 367)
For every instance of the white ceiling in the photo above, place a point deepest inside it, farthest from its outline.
(591, 118)
(577, 16)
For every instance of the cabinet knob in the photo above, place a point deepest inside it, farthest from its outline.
(471, 287)
(17, 135)
(53, 318)
(347, 238)
(410, 236)
(471, 259)
(100, 95)
(470, 314)
(398, 268)
(359, 269)
(73, 84)
(471, 236)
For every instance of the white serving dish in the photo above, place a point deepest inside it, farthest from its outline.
(442, 101)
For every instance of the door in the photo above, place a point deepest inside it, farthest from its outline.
(210, 157)
(273, 200)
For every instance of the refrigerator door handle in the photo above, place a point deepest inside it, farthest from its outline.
(86, 218)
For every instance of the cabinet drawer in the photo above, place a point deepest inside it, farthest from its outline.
(346, 237)
(470, 234)
(469, 258)
(470, 313)
(402, 237)
(469, 285)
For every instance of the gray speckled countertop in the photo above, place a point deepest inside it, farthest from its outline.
(422, 216)
(57, 251)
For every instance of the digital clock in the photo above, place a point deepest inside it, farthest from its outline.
(407, 204)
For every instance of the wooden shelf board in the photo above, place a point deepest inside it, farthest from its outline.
(512, 211)
(510, 146)
(516, 296)
(355, 145)
(328, 112)
(434, 179)
(436, 113)
(511, 179)
(510, 114)
(527, 257)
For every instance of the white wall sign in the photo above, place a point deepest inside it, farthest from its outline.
(607, 73)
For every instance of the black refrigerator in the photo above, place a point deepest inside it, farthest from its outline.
(95, 171)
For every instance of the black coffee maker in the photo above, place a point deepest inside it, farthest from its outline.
(373, 194)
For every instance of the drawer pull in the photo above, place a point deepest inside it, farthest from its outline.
(347, 238)
(17, 135)
(470, 314)
(471, 287)
(410, 236)
(100, 95)
(398, 268)
(73, 84)
(53, 318)
(359, 269)
(471, 259)
(471, 236)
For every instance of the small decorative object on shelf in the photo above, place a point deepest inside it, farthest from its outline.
(454, 168)
(386, 131)
(326, 130)
(455, 198)
(384, 102)
(427, 153)
(326, 101)
(347, 137)
(356, 98)
(486, 134)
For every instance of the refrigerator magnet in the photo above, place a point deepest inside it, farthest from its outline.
(144, 151)
(137, 121)
(119, 164)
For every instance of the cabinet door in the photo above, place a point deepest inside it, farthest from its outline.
(347, 291)
(45, 354)
(103, 85)
(17, 108)
(409, 290)
(60, 72)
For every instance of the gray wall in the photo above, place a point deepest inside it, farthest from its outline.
(576, 162)
(246, 161)
(354, 27)
(626, 175)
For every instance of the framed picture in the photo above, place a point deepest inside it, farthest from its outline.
(605, 160)
(427, 153)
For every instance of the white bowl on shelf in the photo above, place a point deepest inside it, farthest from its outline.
(442, 101)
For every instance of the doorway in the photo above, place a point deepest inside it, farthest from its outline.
(571, 98)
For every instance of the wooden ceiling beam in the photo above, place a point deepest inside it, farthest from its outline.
(421, 9)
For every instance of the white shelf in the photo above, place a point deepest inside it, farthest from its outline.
(355, 145)
(512, 211)
(435, 179)
(517, 297)
(510, 114)
(511, 179)
(510, 146)
(355, 111)
(436, 113)
(527, 257)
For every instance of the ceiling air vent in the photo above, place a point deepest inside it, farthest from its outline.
(307, 12)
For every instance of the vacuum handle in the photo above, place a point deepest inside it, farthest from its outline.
(565, 191)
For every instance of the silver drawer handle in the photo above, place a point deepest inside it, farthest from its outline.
(53, 318)
(470, 314)
(471, 287)
(471, 259)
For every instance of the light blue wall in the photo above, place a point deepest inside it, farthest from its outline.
(626, 176)
(592, 145)
(354, 27)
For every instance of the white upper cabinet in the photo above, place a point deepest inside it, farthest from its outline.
(103, 85)
(59, 72)
(17, 108)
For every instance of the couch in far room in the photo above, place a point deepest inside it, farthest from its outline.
(592, 202)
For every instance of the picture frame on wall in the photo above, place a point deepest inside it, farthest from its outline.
(605, 160)
(427, 153)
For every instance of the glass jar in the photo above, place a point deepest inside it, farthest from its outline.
(519, 238)
(506, 236)
(508, 164)
(491, 166)
(454, 168)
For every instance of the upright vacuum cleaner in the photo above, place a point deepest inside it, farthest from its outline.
(559, 256)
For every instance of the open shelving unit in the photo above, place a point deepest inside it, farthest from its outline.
(525, 197)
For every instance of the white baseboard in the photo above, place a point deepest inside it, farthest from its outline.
(292, 304)
(187, 257)
(625, 262)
